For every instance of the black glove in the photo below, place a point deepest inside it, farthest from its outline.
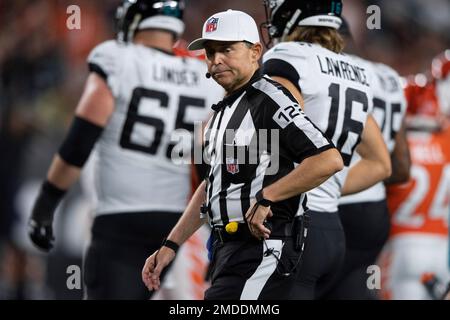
(41, 220)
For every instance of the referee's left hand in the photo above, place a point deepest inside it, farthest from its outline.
(255, 221)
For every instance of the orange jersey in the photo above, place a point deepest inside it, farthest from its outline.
(422, 204)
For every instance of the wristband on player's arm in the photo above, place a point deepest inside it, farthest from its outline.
(47, 202)
(79, 141)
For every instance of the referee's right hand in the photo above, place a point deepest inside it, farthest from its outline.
(256, 216)
(154, 265)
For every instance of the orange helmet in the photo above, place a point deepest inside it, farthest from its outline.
(180, 49)
(440, 69)
(440, 66)
(424, 111)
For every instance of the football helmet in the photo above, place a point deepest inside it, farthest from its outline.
(284, 15)
(180, 49)
(440, 66)
(135, 15)
(440, 70)
(424, 112)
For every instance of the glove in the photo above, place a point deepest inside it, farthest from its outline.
(41, 220)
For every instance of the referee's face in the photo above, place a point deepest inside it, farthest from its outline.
(232, 64)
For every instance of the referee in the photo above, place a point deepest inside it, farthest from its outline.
(254, 187)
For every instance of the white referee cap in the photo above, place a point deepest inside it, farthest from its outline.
(230, 25)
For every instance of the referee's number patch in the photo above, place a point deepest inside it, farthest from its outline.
(284, 116)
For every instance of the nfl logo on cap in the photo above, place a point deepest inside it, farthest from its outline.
(234, 26)
(211, 25)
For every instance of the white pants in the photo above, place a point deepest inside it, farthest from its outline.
(406, 258)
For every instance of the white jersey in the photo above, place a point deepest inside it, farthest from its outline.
(337, 99)
(389, 107)
(157, 96)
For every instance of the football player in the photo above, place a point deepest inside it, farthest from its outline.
(139, 104)
(365, 215)
(441, 72)
(335, 94)
(418, 243)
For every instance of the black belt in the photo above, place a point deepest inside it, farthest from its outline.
(243, 233)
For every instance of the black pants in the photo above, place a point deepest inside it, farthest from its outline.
(252, 269)
(119, 247)
(366, 226)
(323, 256)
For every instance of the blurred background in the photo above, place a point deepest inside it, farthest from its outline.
(42, 71)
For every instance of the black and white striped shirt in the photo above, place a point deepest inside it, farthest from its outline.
(256, 136)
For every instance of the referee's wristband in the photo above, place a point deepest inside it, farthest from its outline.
(261, 200)
(170, 244)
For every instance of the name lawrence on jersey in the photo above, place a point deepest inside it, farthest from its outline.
(342, 69)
